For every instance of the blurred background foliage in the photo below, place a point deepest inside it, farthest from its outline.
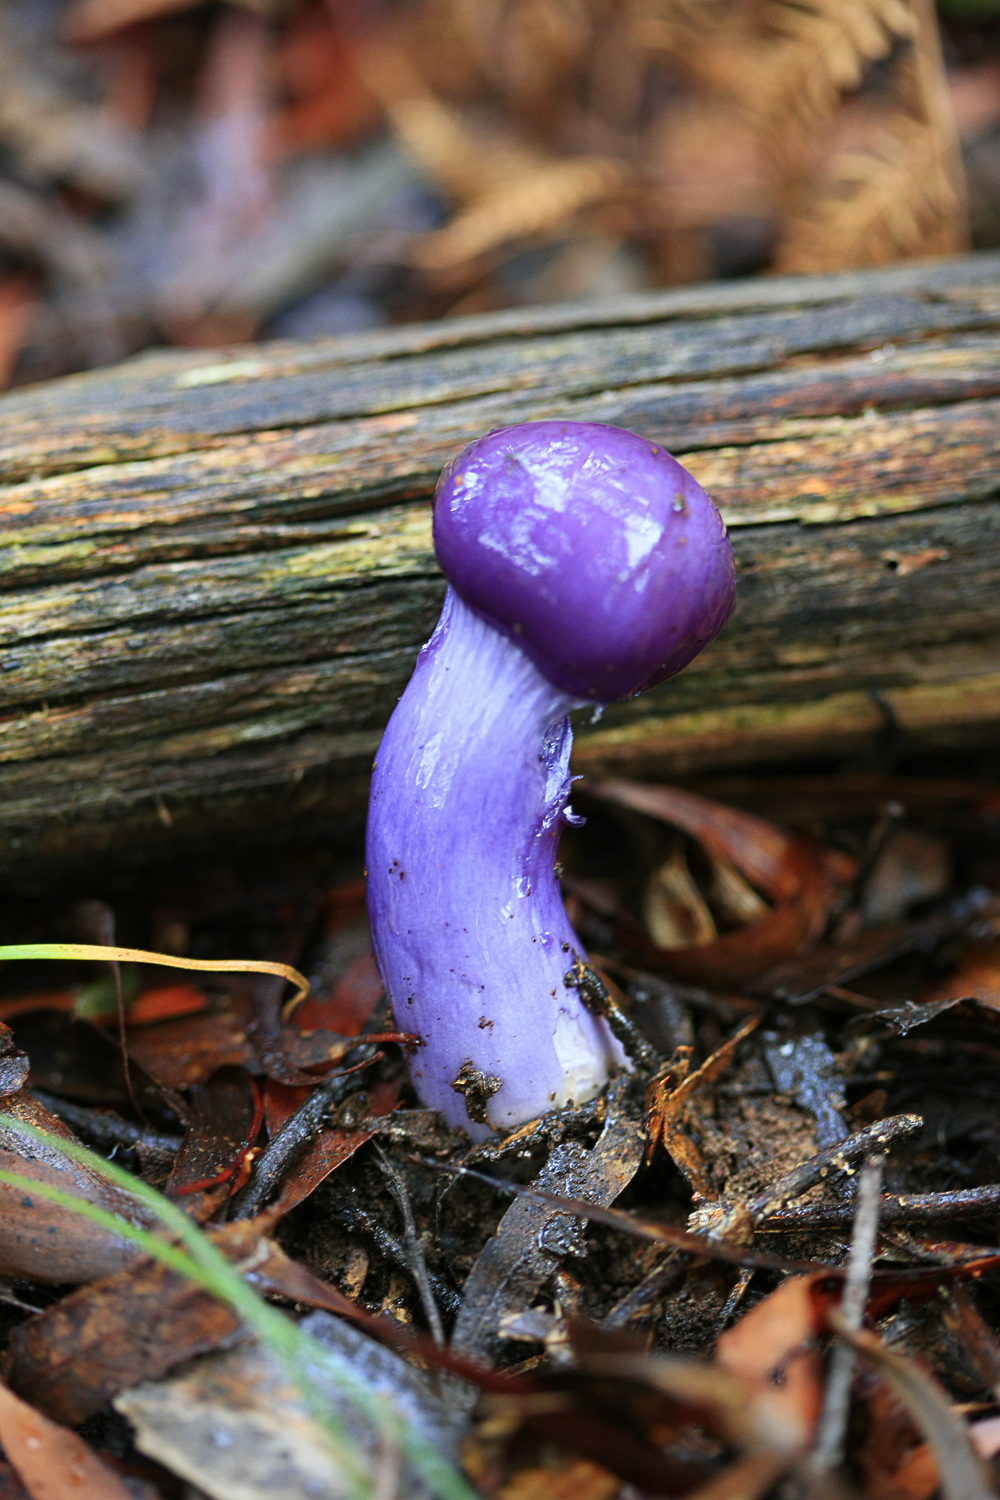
(174, 172)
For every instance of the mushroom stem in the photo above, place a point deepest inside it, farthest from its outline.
(469, 795)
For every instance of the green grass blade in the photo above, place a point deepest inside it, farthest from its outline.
(297, 1352)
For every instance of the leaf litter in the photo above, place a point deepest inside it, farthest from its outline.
(640, 1294)
(204, 173)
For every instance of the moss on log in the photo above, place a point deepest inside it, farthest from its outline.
(216, 566)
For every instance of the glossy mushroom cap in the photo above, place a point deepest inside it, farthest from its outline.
(591, 547)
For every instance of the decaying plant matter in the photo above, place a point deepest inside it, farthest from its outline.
(675, 1286)
(848, 175)
(193, 174)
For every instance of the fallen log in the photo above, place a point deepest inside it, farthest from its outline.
(216, 565)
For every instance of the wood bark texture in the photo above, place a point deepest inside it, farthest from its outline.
(216, 566)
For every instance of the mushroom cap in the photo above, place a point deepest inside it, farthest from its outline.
(592, 547)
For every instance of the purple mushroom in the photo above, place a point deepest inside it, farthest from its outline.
(584, 565)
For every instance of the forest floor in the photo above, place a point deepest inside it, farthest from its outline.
(767, 1255)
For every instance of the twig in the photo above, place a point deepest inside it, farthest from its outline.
(700, 1245)
(656, 1283)
(829, 1447)
(298, 1131)
(414, 1249)
(597, 998)
(839, 1158)
(356, 1220)
(108, 1130)
(740, 1288)
(894, 1208)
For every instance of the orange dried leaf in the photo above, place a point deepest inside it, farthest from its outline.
(976, 975)
(52, 1462)
(800, 877)
(165, 1004)
(774, 1342)
(22, 1005)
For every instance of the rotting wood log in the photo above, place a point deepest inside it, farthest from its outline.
(217, 568)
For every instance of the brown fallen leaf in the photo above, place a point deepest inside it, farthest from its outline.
(349, 1004)
(183, 1052)
(188, 1050)
(227, 1112)
(41, 1240)
(975, 976)
(800, 878)
(331, 1148)
(911, 867)
(757, 848)
(140, 1323)
(800, 979)
(802, 800)
(299, 1058)
(52, 1462)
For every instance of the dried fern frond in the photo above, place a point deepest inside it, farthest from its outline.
(813, 55)
(572, 81)
(537, 204)
(701, 36)
(531, 50)
(904, 195)
(507, 190)
(465, 156)
(431, 131)
(896, 200)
